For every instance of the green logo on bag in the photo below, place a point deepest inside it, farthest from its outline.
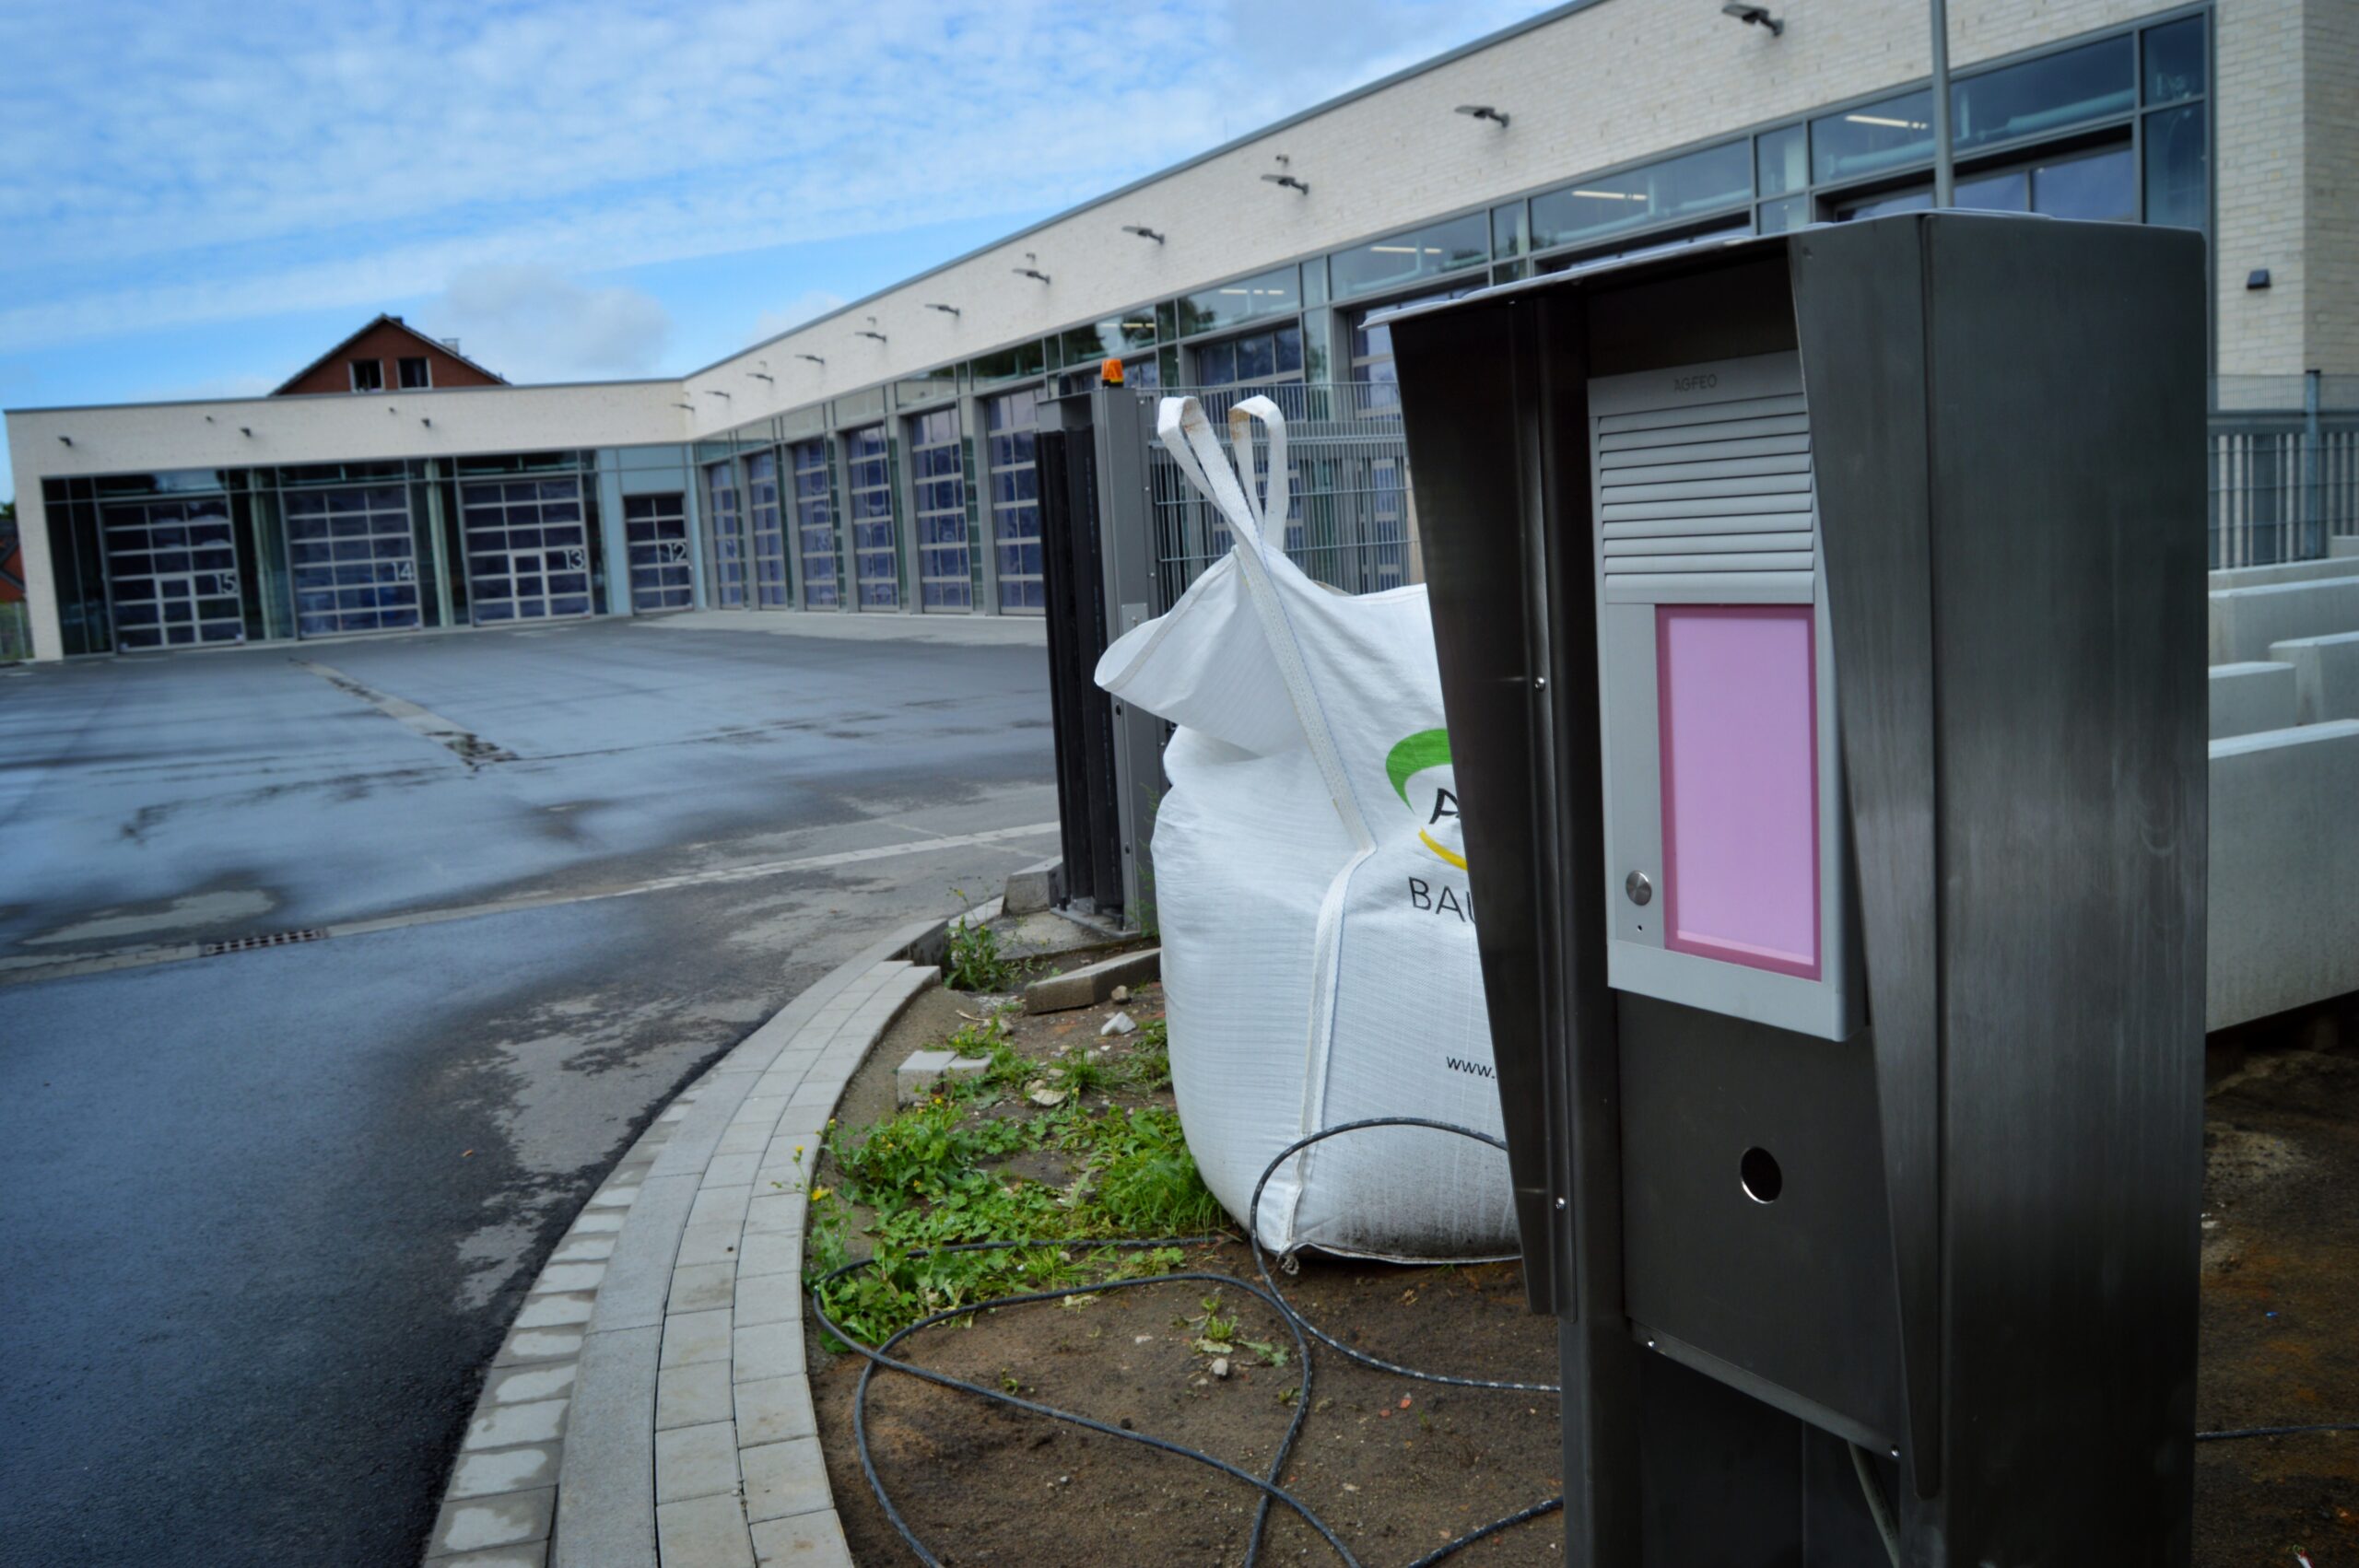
(1412, 755)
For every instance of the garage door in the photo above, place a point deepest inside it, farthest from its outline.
(354, 560)
(528, 551)
(655, 531)
(172, 573)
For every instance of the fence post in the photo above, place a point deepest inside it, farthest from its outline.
(2313, 513)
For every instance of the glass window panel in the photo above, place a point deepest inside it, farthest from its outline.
(1510, 229)
(1918, 199)
(2101, 188)
(2071, 89)
(1314, 280)
(1010, 364)
(1675, 188)
(1785, 213)
(1289, 350)
(1890, 134)
(1273, 293)
(1216, 364)
(2010, 192)
(2175, 61)
(1781, 160)
(2177, 189)
(1405, 258)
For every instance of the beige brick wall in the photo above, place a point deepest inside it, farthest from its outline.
(1616, 82)
(2330, 158)
(2256, 183)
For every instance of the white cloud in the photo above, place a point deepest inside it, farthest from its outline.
(532, 323)
(206, 160)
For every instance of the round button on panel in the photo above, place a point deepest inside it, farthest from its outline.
(1640, 890)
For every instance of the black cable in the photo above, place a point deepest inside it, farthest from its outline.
(881, 1356)
(2275, 1431)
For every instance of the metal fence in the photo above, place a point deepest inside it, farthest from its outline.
(2283, 463)
(16, 632)
(2282, 459)
(1350, 523)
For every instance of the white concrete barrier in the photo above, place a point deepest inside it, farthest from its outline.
(2245, 621)
(2326, 676)
(2283, 927)
(2343, 546)
(2287, 571)
(2248, 698)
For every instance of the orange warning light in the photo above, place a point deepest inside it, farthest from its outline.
(1110, 372)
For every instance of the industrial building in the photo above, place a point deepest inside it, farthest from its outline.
(879, 459)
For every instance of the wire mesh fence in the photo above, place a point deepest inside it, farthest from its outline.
(1350, 521)
(2282, 485)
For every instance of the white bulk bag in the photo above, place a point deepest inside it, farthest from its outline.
(1318, 958)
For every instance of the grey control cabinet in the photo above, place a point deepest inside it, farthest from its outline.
(1821, 623)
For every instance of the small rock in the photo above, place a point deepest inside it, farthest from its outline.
(1122, 994)
(1048, 1097)
(1220, 1366)
(1121, 1023)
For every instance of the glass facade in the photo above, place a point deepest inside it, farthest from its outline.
(1405, 258)
(655, 535)
(1595, 209)
(868, 497)
(766, 518)
(725, 533)
(1009, 424)
(353, 559)
(815, 524)
(938, 492)
(1270, 358)
(528, 549)
(172, 572)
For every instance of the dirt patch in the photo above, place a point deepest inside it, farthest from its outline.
(2281, 1303)
(982, 1484)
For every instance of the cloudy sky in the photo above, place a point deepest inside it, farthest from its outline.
(196, 198)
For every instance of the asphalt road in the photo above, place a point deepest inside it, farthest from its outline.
(267, 1212)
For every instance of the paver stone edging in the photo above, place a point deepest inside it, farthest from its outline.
(650, 1408)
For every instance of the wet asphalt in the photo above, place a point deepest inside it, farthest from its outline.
(267, 1213)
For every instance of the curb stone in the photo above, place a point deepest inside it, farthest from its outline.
(651, 1406)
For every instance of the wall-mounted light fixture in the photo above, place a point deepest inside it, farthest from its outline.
(1754, 16)
(715, 392)
(763, 376)
(2257, 278)
(67, 439)
(1484, 112)
(871, 330)
(248, 430)
(421, 419)
(1031, 268)
(814, 358)
(689, 407)
(1287, 181)
(946, 309)
(1142, 231)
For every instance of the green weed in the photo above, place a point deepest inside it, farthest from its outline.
(973, 961)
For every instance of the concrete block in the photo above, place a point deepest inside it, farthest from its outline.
(715, 1204)
(639, 1276)
(771, 1252)
(508, 1426)
(1033, 889)
(2343, 546)
(2283, 928)
(768, 1350)
(528, 1554)
(488, 1472)
(2249, 698)
(696, 1461)
(704, 1532)
(607, 1489)
(528, 1385)
(1088, 986)
(769, 1298)
(916, 1077)
(569, 1277)
(700, 1287)
(472, 1524)
(2287, 571)
(774, 1212)
(774, 1409)
(785, 1478)
(733, 1169)
(2325, 675)
(539, 1344)
(556, 1311)
(804, 1540)
(692, 1396)
(2245, 621)
(583, 1249)
(692, 1337)
(715, 1243)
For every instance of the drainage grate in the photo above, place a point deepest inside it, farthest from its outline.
(248, 943)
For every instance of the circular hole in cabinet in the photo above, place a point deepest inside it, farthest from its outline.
(1760, 1176)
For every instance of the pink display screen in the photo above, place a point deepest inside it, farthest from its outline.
(1739, 783)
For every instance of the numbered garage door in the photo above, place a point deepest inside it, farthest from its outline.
(655, 530)
(172, 573)
(528, 551)
(354, 562)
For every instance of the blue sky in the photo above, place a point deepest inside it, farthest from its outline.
(199, 198)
